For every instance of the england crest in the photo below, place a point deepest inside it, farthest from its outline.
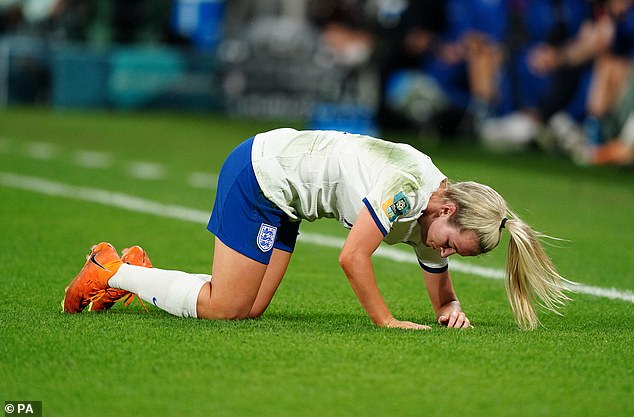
(266, 237)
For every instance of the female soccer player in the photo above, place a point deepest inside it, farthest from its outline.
(381, 191)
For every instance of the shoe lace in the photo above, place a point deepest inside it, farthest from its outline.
(130, 297)
(127, 298)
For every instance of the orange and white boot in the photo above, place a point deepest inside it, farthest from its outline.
(91, 284)
(134, 255)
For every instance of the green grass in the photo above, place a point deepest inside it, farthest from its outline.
(314, 353)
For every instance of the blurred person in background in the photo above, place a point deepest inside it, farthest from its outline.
(582, 82)
(346, 27)
(457, 85)
(347, 41)
(607, 43)
(620, 149)
(407, 38)
(49, 20)
(541, 82)
(35, 17)
(28, 28)
(609, 134)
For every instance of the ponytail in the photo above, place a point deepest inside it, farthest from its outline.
(530, 274)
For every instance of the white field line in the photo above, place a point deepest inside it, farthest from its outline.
(93, 159)
(146, 170)
(141, 205)
(40, 150)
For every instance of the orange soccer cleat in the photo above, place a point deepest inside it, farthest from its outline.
(91, 283)
(134, 255)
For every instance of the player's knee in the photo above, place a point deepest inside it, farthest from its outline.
(225, 314)
(256, 312)
(232, 315)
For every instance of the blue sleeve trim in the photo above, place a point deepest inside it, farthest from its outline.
(433, 270)
(376, 219)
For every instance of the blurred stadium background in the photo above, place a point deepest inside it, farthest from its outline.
(245, 58)
(551, 75)
(514, 74)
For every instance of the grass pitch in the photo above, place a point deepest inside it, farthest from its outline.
(314, 352)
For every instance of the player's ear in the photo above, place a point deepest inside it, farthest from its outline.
(448, 208)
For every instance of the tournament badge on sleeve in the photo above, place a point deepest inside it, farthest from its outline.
(266, 237)
(395, 207)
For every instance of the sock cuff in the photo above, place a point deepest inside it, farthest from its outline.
(115, 280)
(182, 296)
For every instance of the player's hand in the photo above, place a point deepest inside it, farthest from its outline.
(398, 324)
(451, 315)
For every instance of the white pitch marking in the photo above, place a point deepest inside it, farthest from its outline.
(93, 159)
(203, 180)
(40, 150)
(105, 197)
(132, 203)
(146, 170)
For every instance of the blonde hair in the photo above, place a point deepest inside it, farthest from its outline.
(530, 274)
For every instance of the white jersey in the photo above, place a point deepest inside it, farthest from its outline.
(315, 174)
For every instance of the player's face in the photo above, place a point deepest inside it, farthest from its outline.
(448, 239)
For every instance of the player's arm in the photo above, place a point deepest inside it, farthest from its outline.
(355, 259)
(443, 299)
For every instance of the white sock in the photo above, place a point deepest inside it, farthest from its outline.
(173, 291)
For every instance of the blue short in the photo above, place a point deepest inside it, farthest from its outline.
(242, 217)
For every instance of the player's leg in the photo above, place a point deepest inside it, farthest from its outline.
(271, 281)
(246, 225)
(105, 273)
(241, 287)
(249, 230)
(280, 257)
(234, 286)
(173, 291)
